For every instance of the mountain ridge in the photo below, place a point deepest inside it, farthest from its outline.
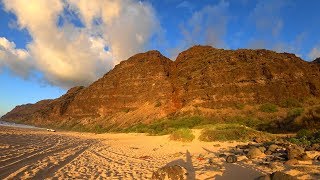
(150, 86)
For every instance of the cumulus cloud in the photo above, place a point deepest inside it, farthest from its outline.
(18, 60)
(68, 54)
(314, 53)
(206, 26)
(266, 16)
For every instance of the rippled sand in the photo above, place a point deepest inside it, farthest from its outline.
(38, 154)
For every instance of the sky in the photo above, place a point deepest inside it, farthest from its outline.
(47, 47)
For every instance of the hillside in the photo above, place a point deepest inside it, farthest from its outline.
(201, 81)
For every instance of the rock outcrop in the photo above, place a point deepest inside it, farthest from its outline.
(149, 86)
(317, 60)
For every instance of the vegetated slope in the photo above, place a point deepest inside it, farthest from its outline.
(149, 86)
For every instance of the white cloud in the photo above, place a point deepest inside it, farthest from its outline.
(314, 53)
(266, 16)
(18, 60)
(206, 26)
(70, 55)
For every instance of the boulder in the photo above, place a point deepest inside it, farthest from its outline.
(291, 162)
(281, 176)
(294, 152)
(273, 147)
(254, 153)
(170, 172)
(277, 176)
(262, 149)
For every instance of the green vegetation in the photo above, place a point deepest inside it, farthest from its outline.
(290, 103)
(268, 108)
(184, 135)
(166, 126)
(306, 137)
(230, 132)
(239, 106)
(247, 121)
(295, 112)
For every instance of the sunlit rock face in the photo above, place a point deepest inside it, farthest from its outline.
(149, 86)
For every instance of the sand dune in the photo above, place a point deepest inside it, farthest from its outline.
(37, 154)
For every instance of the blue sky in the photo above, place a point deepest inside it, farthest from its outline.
(49, 46)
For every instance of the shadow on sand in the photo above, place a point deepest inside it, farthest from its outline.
(186, 164)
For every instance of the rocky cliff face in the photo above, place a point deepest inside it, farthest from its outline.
(150, 86)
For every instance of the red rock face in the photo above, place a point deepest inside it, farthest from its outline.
(149, 86)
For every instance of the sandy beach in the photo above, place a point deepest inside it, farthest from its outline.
(38, 154)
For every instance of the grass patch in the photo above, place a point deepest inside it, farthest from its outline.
(184, 135)
(167, 126)
(295, 112)
(290, 103)
(231, 132)
(268, 108)
(247, 121)
(239, 106)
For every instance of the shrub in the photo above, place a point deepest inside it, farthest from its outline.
(295, 112)
(301, 141)
(268, 108)
(290, 103)
(247, 121)
(306, 137)
(304, 133)
(230, 132)
(239, 106)
(184, 135)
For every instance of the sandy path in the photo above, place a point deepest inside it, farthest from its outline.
(38, 154)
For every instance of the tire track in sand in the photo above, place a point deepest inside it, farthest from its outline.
(5, 171)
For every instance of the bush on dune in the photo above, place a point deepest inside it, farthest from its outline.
(230, 132)
(184, 135)
(268, 108)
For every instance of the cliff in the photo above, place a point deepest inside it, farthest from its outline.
(149, 86)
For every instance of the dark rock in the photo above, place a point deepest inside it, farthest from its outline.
(281, 176)
(170, 172)
(231, 159)
(222, 155)
(254, 153)
(317, 60)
